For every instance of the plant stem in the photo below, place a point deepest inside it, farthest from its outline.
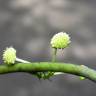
(79, 70)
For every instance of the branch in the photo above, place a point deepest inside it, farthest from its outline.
(79, 70)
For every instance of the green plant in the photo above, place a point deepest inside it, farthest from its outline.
(46, 70)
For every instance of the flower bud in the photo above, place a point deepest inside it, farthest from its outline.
(60, 40)
(9, 55)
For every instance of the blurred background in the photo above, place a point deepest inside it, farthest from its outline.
(28, 26)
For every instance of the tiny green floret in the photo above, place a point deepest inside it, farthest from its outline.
(9, 55)
(60, 40)
(82, 78)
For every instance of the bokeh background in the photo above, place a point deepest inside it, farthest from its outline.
(28, 26)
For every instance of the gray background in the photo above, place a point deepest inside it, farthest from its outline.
(28, 26)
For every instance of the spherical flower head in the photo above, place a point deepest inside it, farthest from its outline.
(60, 40)
(9, 55)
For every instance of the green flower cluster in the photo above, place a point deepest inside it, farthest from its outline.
(9, 55)
(60, 40)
